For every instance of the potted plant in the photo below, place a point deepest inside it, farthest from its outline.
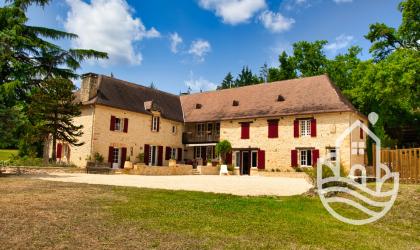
(222, 149)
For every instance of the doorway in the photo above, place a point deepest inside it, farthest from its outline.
(245, 163)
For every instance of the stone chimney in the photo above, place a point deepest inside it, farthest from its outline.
(89, 87)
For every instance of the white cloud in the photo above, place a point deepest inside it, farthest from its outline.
(343, 1)
(199, 48)
(275, 22)
(109, 26)
(341, 42)
(175, 41)
(199, 84)
(234, 11)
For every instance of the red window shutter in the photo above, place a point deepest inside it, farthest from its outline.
(125, 125)
(111, 154)
(160, 156)
(123, 157)
(315, 156)
(179, 154)
(168, 153)
(245, 130)
(273, 129)
(313, 128)
(146, 154)
(361, 133)
(261, 159)
(294, 158)
(112, 123)
(229, 158)
(151, 126)
(59, 149)
(158, 124)
(296, 128)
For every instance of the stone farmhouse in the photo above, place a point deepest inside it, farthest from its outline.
(274, 126)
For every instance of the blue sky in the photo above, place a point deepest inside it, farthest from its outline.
(194, 43)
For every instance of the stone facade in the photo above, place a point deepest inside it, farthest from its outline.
(278, 150)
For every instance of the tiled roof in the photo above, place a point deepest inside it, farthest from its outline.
(298, 96)
(291, 97)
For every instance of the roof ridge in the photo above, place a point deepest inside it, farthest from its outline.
(131, 84)
(257, 84)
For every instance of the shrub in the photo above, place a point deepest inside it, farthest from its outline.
(326, 172)
(98, 158)
(222, 148)
(230, 168)
(140, 157)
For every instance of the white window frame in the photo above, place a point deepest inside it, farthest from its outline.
(238, 159)
(153, 152)
(155, 123)
(332, 155)
(174, 153)
(303, 157)
(256, 158)
(305, 127)
(201, 128)
(197, 152)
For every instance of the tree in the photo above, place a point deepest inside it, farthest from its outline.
(386, 39)
(53, 109)
(28, 57)
(222, 149)
(228, 82)
(343, 66)
(286, 70)
(264, 73)
(246, 77)
(309, 58)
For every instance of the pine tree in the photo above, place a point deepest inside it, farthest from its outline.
(227, 82)
(52, 110)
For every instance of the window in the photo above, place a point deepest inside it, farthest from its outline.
(237, 159)
(305, 127)
(332, 154)
(174, 153)
(153, 155)
(209, 152)
(254, 159)
(217, 128)
(245, 130)
(197, 152)
(305, 158)
(155, 123)
(173, 129)
(201, 127)
(116, 155)
(118, 124)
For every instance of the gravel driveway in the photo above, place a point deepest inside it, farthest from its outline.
(238, 185)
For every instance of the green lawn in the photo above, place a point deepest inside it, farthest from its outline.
(40, 214)
(6, 153)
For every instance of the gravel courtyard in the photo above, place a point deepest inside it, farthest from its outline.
(237, 185)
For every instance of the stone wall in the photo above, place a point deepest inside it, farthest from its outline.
(142, 169)
(278, 150)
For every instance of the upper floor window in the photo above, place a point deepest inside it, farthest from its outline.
(305, 127)
(201, 127)
(173, 129)
(155, 123)
(217, 128)
(245, 130)
(119, 124)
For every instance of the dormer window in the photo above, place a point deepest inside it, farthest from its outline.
(235, 103)
(198, 106)
(280, 98)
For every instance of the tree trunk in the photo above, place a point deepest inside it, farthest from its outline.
(46, 152)
(54, 149)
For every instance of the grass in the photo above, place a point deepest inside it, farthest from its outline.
(40, 214)
(6, 153)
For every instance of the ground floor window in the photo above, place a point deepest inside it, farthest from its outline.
(116, 155)
(153, 155)
(174, 153)
(198, 152)
(332, 154)
(254, 159)
(305, 157)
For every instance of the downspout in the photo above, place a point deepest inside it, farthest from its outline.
(92, 130)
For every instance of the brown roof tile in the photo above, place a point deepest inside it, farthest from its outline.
(301, 96)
